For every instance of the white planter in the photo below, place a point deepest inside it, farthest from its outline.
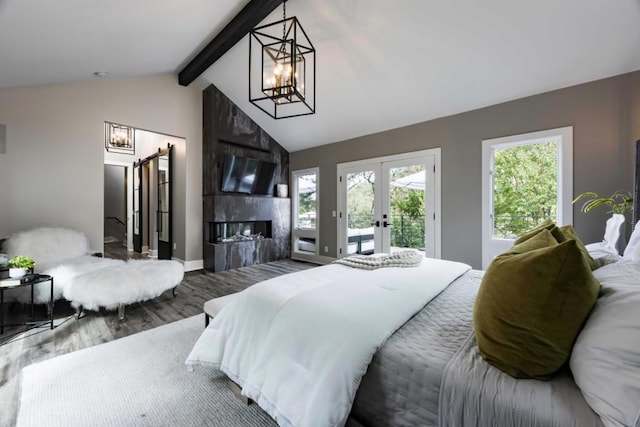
(17, 272)
(615, 233)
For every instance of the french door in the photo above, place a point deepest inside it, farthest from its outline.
(388, 204)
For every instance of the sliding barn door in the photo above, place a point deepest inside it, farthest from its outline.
(137, 207)
(164, 222)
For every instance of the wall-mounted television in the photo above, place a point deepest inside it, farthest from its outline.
(246, 175)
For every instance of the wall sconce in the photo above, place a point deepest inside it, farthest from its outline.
(119, 138)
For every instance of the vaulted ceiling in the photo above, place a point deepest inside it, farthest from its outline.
(380, 64)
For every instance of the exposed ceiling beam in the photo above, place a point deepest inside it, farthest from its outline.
(250, 16)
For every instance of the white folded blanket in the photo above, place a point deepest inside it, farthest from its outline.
(409, 258)
(299, 344)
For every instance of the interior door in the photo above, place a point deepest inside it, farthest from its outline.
(164, 223)
(137, 207)
(386, 206)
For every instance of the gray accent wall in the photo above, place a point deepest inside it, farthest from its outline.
(605, 116)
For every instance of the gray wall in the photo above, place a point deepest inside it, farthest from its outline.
(57, 131)
(114, 192)
(605, 116)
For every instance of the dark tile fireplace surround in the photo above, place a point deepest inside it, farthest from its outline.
(240, 229)
(257, 231)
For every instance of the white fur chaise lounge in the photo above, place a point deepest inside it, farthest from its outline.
(59, 252)
(88, 281)
(119, 285)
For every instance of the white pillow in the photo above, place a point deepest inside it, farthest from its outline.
(605, 360)
(632, 251)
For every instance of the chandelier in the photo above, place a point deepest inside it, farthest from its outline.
(119, 138)
(282, 69)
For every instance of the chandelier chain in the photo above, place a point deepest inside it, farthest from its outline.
(284, 18)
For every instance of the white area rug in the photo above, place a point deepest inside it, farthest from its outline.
(138, 380)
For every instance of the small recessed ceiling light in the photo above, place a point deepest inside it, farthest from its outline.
(100, 74)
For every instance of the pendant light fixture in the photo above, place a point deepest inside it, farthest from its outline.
(282, 69)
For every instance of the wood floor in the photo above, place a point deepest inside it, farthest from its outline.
(100, 327)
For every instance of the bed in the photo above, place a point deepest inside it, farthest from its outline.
(429, 372)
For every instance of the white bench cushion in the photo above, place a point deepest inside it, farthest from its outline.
(214, 306)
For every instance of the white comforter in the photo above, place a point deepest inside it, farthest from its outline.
(299, 344)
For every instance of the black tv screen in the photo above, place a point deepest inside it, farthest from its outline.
(246, 175)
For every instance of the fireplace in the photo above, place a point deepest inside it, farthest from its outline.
(239, 231)
(245, 230)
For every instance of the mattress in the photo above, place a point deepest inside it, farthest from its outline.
(402, 384)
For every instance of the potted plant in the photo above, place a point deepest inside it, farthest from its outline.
(619, 203)
(19, 265)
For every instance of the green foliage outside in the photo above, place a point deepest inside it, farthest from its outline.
(307, 200)
(407, 207)
(407, 212)
(525, 187)
(360, 188)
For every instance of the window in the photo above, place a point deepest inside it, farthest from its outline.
(305, 208)
(526, 179)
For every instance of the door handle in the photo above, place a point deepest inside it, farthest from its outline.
(385, 224)
(375, 224)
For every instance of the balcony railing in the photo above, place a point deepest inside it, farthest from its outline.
(406, 231)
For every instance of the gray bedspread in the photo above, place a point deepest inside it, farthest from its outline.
(402, 385)
(474, 393)
(429, 373)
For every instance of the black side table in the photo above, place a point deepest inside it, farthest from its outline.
(30, 280)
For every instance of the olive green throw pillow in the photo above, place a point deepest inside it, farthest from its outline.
(531, 306)
(570, 233)
(543, 238)
(547, 224)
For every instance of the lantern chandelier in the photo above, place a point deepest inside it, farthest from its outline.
(282, 69)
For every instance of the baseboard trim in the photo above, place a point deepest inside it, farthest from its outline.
(315, 259)
(194, 265)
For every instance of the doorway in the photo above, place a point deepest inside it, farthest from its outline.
(153, 166)
(390, 203)
(115, 204)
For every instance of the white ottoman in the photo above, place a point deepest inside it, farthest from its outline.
(118, 285)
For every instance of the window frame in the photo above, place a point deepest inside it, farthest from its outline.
(564, 137)
(298, 232)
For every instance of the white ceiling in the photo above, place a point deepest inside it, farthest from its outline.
(380, 64)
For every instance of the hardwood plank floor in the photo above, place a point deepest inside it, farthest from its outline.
(100, 327)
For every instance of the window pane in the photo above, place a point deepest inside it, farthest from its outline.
(360, 215)
(407, 193)
(525, 187)
(307, 200)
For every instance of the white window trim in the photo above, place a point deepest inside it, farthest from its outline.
(565, 176)
(304, 232)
